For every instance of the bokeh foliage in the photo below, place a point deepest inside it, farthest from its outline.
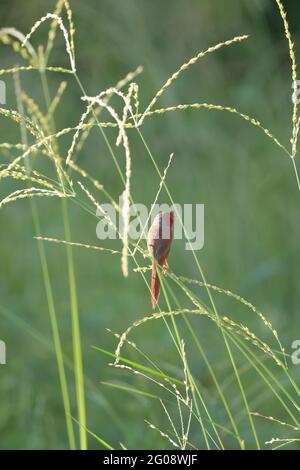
(246, 183)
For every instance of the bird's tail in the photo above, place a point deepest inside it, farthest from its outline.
(155, 285)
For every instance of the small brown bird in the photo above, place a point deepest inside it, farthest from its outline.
(159, 243)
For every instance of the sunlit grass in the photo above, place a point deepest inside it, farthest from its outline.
(189, 407)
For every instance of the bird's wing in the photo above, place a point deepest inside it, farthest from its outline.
(161, 249)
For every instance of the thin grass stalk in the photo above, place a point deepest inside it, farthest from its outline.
(49, 291)
(211, 371)
(76, 338)
(264, 373)
(210, 298)
(162, 281)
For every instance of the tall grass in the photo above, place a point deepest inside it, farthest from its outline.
(187, 411)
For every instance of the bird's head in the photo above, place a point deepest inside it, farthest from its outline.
(166, 222)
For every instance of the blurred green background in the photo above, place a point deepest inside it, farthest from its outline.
(246, 183)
